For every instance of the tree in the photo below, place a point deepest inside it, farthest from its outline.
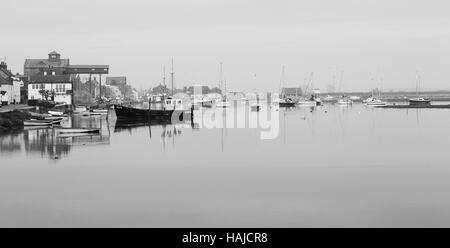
(45, 94)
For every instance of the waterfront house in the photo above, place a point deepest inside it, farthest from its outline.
(9, 86)
(57, 88)
(53, 78)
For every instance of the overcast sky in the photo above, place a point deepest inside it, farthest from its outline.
(365, 39)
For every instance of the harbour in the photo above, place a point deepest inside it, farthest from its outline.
(224, 123)
(323, 155)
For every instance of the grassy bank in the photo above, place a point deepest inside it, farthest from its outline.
(12, 120)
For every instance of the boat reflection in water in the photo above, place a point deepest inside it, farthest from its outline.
(47, 143)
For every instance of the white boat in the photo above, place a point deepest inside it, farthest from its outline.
(55, 113)
(173, 104)
(329, 99)
(77, 130)
(345, 102)
(307, 103)
(100, 111)
(79, 110)
(355, 98)
(40, 123)
(371, 101)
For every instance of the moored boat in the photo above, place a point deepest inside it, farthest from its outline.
(77, 130)
(123, 112)
(344, 101)
(287, 103)
(99, 111)
(419, 101)
(371, 101)
(306, 103)
(55, 113)
(34, 122)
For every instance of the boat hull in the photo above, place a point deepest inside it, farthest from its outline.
(419, 102)
(286, 104)
(41, 123)
(128, 113)
(77, 130)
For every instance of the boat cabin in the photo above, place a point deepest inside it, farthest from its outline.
(173, 103)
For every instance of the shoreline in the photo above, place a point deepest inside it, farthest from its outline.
(13, 120)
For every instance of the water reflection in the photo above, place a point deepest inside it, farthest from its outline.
(48, 143)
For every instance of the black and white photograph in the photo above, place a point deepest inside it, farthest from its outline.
(224, 114)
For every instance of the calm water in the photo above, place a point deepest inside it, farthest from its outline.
(334, 166)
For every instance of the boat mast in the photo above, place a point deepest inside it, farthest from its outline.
(164, 75)
(340, 82)
(225, 86)
(417, 83)
(220, 75)
(282, 80)
(172, 76)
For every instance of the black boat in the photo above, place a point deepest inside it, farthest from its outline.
(128, 113)
(419, 101)
(287, 103)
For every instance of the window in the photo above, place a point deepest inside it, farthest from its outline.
(60, 88)
(53, 73)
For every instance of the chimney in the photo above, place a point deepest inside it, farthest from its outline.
(3, 65)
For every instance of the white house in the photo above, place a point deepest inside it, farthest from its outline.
(9, 86)
(59, 89)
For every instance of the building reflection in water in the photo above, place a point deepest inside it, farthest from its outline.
(47, 143)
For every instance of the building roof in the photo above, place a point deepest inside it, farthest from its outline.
(50, 79)
(5, 76)
(88, 66)
(45, 63)
(54, 53)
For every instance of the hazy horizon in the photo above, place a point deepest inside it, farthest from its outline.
(367, 40)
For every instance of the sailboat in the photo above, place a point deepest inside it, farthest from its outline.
(313, 100)
(419, 100)
(375, 101)
(344, 100)
(223, 103)
(285, 102)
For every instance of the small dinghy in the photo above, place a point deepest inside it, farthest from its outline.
(99, 111)
(40, 123)
(78, 130)
(55, 113)
(80, 110)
